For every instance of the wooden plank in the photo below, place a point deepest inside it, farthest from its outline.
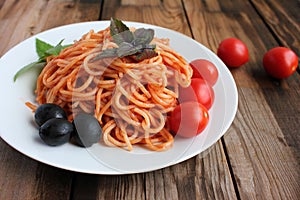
(10, 14)
(21, 177)
(205, 176)
(140, 2)
(283, 18)
(84, 186)
(286, 109)
(24, 178)
(260, 156)
(121, 187)
(261, 137)
(169, 14)
(104, 187)
(40, 16)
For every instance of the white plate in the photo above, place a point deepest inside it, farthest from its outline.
(18, 130)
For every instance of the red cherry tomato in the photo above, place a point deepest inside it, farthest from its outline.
(189, 119)
(206, 70)
(233, 52)
(280, 62)
(199, 91)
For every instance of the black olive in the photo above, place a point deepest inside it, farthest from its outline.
(87, 130)
(48, 111)
(56, 131)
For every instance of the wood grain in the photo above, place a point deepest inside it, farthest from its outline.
(168, 13)
(25, 18)
(139, 2)
(108, 187)
(284, 96)
(263, 135)
(279, 17)
(10, 14)
(260, 157)
(121, 187)
(205, 176)
(24, 178)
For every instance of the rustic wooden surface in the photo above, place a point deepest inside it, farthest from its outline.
(259, 156)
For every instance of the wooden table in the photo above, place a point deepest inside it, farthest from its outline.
(258, 157)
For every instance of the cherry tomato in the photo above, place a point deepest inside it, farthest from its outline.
(233, 52)
(206, 70)
(280, 62)
(199, 91)
(189, 119)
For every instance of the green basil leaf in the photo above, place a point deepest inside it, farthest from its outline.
(117, 26)
(143, 36)
(125, 36)
(145, 54)
(43, 50)
(107, 53)
(126, 49)
(42, 47)
(54, 50)
(134, 44)
(28, 67)
(120, 32)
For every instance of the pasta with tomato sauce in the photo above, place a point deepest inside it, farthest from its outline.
(130, 99)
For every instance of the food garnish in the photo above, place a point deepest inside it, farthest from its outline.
(134, 44)
(44, 50)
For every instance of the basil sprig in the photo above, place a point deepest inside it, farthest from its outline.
(43, 50)
(134, 44)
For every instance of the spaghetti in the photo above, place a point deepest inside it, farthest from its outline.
(130, 99)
